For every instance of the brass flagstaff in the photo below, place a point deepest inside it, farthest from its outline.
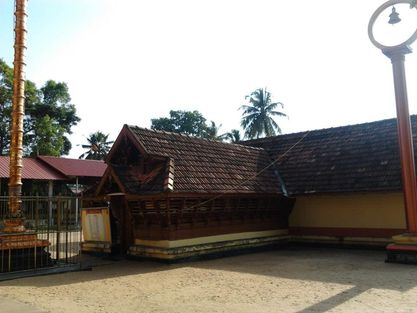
(14, 221)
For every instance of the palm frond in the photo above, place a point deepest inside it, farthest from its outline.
(257, 117)
(277, 113)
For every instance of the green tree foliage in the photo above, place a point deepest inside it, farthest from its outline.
(258, 115)
(5, 105)
(191, 123)
(212, 132)
(233, 136)
(6, 93)
(49, 137)
(98, 146)
(49, 106)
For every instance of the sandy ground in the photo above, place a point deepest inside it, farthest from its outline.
(289, 280)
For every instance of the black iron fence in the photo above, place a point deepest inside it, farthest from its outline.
(51, 241)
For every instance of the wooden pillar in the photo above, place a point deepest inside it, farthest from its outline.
(50, 195)
(76, 201)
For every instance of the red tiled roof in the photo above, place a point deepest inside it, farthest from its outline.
(76, 167)
(354, 158)
(32, 169)
(210, 166)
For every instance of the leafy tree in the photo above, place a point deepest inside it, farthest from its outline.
(258, 116)
(6, 95)
(5, 105)
(233, 136)
(212, 132)
(52, 100)
(186, 122)
(49, 137)
(98, 146)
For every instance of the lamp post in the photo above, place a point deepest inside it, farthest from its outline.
(404, 249)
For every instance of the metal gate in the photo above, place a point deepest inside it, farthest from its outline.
(51, 242)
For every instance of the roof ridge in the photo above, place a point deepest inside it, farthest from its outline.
(72, 159)
(412, 116)
(194, 137)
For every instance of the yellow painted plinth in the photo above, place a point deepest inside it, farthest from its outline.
(360, 241)
(96, 247)
(210, 239)
(194, 247)
(405, 239)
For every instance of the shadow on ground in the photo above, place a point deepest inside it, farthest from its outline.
(347, 267)
(360, 269)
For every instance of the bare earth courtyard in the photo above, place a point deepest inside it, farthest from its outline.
(286, 280)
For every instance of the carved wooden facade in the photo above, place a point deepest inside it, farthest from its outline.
(165, 189)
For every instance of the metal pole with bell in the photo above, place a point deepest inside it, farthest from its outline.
(405, 137)
(15, 219)
(404, 249)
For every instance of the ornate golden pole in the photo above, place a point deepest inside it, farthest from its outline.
(14, 221)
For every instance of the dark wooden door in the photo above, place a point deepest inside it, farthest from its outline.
(122, 231)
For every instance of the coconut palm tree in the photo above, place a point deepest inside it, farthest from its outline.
(97, 146)
(233, 136)
(258, 115)
(212, 132)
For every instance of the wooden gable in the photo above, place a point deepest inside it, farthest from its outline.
(109, 184)
(134, 171)
(126, 150)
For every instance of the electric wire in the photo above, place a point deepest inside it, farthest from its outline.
(252, 177)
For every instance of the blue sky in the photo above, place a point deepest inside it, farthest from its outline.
(128, 61)
(50, 22)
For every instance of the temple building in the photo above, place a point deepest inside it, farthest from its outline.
(174, 196)
(346, 181)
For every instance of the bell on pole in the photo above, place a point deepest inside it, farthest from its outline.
(394, 17)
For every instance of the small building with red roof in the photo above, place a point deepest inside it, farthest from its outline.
(46, 175)
(85, 171)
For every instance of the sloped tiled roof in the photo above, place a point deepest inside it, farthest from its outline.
(32, 169)
(76, 167)
(210, 166)
(360, 158)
